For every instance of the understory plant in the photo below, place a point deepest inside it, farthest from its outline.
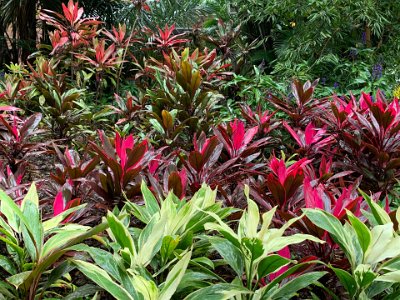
(372, 251)
(32, 260)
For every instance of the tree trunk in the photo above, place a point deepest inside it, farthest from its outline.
(26, 24)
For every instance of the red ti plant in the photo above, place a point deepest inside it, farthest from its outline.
(72, 167)
(312, 140)
(164, 176)
(300, 106)
(177, 182)
(262, 119)
(237, 140)
(334, 200)
(71, 28)
(16, 134)
(201, 163)
(206, 164)
(340, 112)
(118, 36)
(105, 58)
(123, 161)
(284, 182)
(11, 90)
(331, 200)
(127, 108)
(370, 145)
(165, 39)
(63, 201)
(11, 182)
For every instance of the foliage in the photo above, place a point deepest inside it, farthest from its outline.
(33, 247)
(372, 253)
(122, 163)
(16, 139)
(164, 126)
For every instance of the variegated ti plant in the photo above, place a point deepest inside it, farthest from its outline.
(251, 253)
(153, 262)
(32, 266)
(373, 251)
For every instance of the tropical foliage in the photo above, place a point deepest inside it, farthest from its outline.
(144, 156)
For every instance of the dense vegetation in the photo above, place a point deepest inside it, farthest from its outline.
(186, 150)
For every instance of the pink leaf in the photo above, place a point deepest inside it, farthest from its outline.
(311, 196)
(58, 205)
(285, 252)
(237, 127)
(294, 134)
(309, 134)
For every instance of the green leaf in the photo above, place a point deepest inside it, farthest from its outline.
(220, 291)
(58, 240)
(383, 244)
(58, 272)
(270, 264)
(231, 254)
(380, 215)
(224, 229)
(34, 238)
(150, 201)
(248, 224)
(150, 241)
(364, 276)
(11, 211)
(83, 291)
(101, 278)
(195, 280)
(390, 277)
(266, 222)
(157, 126)
(7, 265)
(174, 277)
(289, 289)
(347, 281)
(55, 221)
(168, 246)
(362, 231)
(147, 288)
(204, 261)
(121, 233)
(253, 248)
(102, 258)
(18, 279)
(7, 291)
(31, 196)
(341, 236)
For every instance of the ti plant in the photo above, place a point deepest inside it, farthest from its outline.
(152, 262)
(71, 29)
(300, 106)
(251, 253)
(123, 162)
(16, 139)
(56, 99)
(166, 40)
(373, 253)
(32, 248)
(186, 90)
